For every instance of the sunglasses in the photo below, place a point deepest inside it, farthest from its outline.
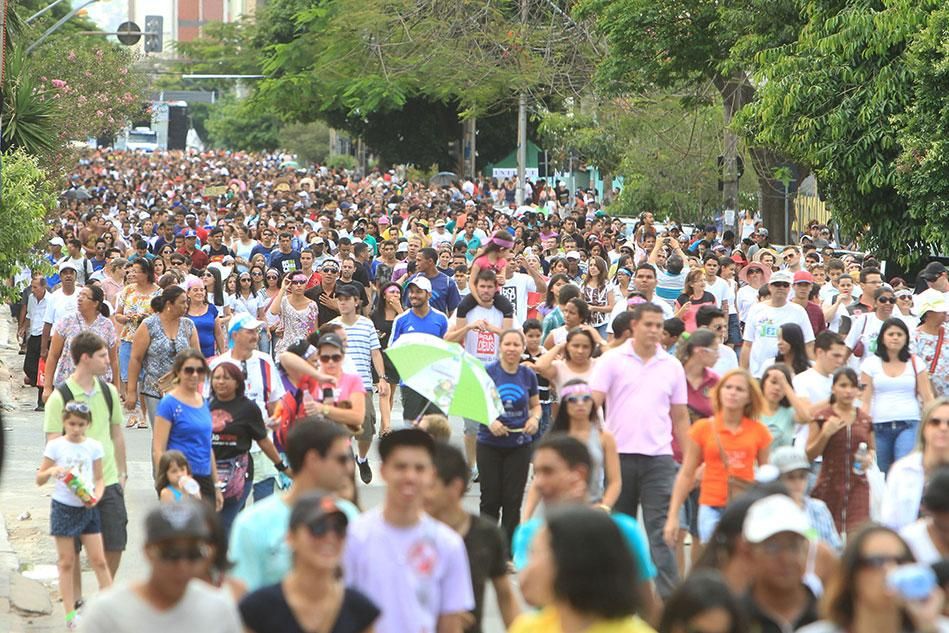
(325, 358)
(886, 300)
(332, 271)
(190, 554)
(245, 280)
(297, 282)
(754, 271)
(271, 276)
(257, 274)
(576, 399)
(789, 256)
(937, 422)
(780, 284)
(882, 560)
(328, 523)
(191, 371)
(77, 407)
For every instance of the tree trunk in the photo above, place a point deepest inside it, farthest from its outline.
(732, 92)
(736, 91)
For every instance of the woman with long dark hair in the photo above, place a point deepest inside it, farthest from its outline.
(183, 422)
(214, 286)
(791, 348)
(836, 434)
(582, 575)
(556, 282)
(579, 418)
(896, 382)
(237, 421)
(388, 307)
(597, 293)
(703, 602)
(859, 598)
(204, 316)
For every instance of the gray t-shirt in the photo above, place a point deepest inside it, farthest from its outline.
(202, 608)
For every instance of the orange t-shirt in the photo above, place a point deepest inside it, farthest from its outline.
(741, 447)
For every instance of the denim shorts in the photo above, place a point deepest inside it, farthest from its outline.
(72, 521)
(708, 520)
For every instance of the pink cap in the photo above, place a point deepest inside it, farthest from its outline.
(802, 276)
(382, 220)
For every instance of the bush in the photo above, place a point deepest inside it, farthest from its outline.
(28, 194)
(341, 161)
(309, 141)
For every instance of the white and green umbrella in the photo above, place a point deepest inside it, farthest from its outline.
(447, 376)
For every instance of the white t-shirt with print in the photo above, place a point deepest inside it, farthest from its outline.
(415, 574)
(80, 456)
(761, 330)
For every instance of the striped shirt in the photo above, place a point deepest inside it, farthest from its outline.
(361, 339)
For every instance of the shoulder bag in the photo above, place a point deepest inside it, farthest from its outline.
(736, 485)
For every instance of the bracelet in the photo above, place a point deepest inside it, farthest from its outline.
(604, 507)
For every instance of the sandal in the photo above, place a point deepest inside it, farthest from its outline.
(132, 421)
(143, 424)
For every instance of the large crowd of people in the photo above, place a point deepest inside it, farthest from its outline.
(701, 432)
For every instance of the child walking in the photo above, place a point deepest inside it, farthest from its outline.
(76, 459)
(174, 481)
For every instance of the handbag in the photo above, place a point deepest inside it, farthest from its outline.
(165, 382)
(939, 341)
(736, 485)
(233, 473)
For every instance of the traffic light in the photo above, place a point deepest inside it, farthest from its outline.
(153, 33)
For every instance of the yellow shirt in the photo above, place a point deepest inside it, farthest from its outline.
(548, 621)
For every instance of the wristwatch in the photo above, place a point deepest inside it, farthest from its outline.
(326, 411)
(281, 467)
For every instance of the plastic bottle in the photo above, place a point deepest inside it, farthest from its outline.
(192, 487)
(859, 458)
(78, 486)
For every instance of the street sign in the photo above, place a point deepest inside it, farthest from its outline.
(128, 33)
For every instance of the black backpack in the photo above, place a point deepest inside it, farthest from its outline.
(68, 396)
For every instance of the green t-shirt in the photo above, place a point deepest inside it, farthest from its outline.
(101, 427)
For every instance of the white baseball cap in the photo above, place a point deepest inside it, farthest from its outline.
(773, 515)
(422, 283)
(573, 255)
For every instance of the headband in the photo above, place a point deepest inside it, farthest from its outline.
(502, 242)
(625, 271)
(310, 352)
(578, 389)
(635, 301)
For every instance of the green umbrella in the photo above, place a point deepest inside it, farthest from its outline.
(451, 379)
(289, 163)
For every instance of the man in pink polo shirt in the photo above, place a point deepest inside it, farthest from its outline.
(644, 391)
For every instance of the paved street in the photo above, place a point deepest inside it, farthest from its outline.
(30, 540)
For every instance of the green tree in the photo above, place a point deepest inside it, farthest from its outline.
(309, 141)
(28, 194)
(834, 99)
(239, 125)
(30, 117)
(922, 168)
(682, 45)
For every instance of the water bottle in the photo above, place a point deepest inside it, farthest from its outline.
(190, 486)
(858, 459)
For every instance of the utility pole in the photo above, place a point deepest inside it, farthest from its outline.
(522, 124)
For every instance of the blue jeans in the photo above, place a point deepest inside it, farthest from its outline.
(125, 354)
(894, 440)
(708, 520)
(232, 506)
(263, 489)
(734, 331)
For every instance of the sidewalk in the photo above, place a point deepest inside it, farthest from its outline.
(25, 605)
